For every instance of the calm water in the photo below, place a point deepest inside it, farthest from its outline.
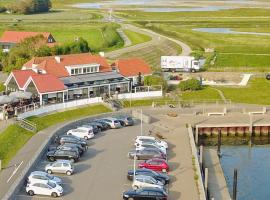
(253, 166)
(227, 31)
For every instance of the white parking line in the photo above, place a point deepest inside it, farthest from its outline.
(36, 197)
(14, 172)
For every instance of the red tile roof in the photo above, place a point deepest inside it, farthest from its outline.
(22, 76)
(51, 66)
(18, 36)
(132, 67)
(47, 83)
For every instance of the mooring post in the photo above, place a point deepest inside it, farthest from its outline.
(196, 135)
(234, 184)
(201, 156)
(250, 129)
(206, 181)
(219, 143)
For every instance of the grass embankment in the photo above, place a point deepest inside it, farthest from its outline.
(14, 137)
(136, 38)
(236, 52)
(145, 102)
(66, 26)
(255, 93)
(206, 94)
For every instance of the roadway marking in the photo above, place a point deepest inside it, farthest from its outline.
(14, 172)
(36, 197)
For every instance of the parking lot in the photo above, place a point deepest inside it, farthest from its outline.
(101, 172)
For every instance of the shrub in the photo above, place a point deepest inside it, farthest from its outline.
(191, 84)
(3, 9)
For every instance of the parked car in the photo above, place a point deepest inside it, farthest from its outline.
(105, 126)
(151, 145)
(164, 178)
(95, 128)
(42, 177)
(145, 154)
(155, 164)
(62, 155)
(114, 123)
(49, 189)
(125, 120)
(145, 194)
(70, 145)
(146, 181)
(150, 139)
(72, 140)
(82, 132)
(65, 147)
(60, 166)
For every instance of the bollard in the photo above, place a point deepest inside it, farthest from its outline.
(0, 165)
(201, 155)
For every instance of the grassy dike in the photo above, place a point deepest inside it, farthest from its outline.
(13, 138)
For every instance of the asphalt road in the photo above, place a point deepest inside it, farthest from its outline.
(101, 172)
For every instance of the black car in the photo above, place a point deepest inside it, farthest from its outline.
(146, 153)
(164, 178)
(145, 194)
(105, 126)
(68, 147)
(100, 126)
(62, 155)
(71, 140)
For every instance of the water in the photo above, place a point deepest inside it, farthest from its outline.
(227, 31)
(253, 166)
(187, 9)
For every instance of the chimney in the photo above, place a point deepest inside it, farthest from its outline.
(58, 59)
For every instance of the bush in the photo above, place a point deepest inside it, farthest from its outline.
(31, 6)
(191, 84)
(155, 80)
(111, 37)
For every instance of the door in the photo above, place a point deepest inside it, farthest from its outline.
(44, 189)
(153, 165)
(57, 167)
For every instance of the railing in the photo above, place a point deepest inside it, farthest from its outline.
(190, 103)
(28, 125)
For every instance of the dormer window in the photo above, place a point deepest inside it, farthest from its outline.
(83, 69)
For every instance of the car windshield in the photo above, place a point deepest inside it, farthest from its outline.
(51, 184)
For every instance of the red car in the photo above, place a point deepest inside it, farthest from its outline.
(155, 164)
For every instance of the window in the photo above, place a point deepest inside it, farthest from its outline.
(72, 72)
(58, 165)
(66, 165)
(84, 70)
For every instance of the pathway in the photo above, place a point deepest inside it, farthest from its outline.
(221, 95)
(124, 37)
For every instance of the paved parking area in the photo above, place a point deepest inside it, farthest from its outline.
(101, 172)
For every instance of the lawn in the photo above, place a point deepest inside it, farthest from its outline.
(255, 93)
(234, 52)
(136, 38)
(145, 102)
(14, 137)
(66, 26)
(206, 94)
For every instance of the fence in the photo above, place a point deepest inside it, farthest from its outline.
(60, 106)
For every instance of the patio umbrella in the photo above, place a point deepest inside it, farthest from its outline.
(7, 99)
(21, 95)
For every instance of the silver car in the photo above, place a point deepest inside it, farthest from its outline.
(60, 166)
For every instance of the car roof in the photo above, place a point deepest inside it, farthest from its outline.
(143, 176)
(145, 137)
(38, 173)
(152, 189)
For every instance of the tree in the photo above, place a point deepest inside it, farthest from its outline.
(31, 6)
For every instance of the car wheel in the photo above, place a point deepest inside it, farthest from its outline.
(49, 171)
(86, 138)
(31, 192)
(54, 195)
(51, 159)
(68, 173)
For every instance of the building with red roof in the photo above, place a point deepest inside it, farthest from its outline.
(62, 78)
(11, 38)
(131, 68)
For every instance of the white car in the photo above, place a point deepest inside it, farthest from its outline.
(60, 166)
(141, 146)
(48, 189)
(150, 139)
(42, 177)
(141, 181)
(82, 132)
(114, 123)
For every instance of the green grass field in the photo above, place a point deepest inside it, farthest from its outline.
(235, 52)
(14, 137)
(136, 38)
(206, 94)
